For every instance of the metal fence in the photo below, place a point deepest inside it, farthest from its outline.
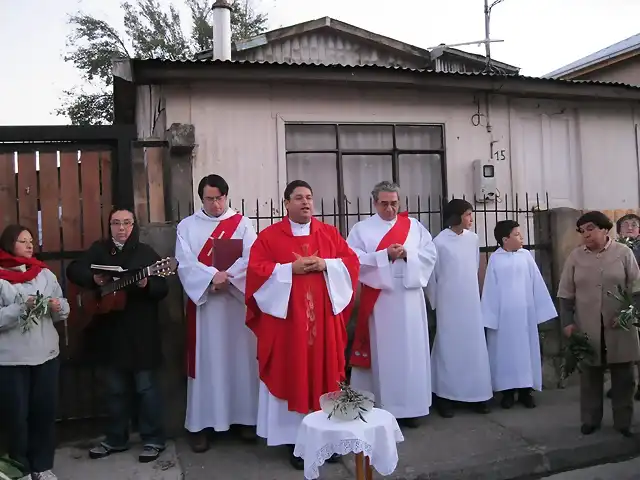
(521, 208)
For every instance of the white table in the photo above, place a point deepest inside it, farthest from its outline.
(373, 442)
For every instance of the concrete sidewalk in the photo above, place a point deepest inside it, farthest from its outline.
(503, 445)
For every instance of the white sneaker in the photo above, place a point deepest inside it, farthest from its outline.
(47, 475)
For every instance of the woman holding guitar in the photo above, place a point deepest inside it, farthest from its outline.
(30, 302)
(126, 340)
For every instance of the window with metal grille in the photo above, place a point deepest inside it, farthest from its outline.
(342, 162)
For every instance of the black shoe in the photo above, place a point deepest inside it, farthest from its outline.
(525, 397)
(444, 408)
(508, 399)
(482, 408)
(588, 429)
(149, 453)
(626, 432)
(296, 462)
(409, 422)
(609, 393)
(103, 450)
(636, 397)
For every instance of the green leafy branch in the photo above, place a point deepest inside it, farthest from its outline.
(35, 312)
(629, 314)
(348, 400)
(577, 352)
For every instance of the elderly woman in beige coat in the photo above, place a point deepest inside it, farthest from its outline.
(592, 270)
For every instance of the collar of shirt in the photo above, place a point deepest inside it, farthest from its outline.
(388, 222)
(300, 227)
(606, 246)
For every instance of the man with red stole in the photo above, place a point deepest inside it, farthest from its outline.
(222, 387)
(300, 289)
(390, 355)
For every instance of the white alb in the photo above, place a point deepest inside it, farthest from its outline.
(400, 374)
(224, 391)
(460, 360)
(515, 300)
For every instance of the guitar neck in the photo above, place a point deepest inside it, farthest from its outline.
(124, 282)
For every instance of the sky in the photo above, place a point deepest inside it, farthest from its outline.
(539, 36)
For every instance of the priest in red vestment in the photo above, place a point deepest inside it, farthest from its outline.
(300, 288)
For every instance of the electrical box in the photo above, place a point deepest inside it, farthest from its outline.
(484, 180)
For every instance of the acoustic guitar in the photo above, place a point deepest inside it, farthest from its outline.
(85, 303)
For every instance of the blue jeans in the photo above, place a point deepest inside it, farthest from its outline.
(119, 385)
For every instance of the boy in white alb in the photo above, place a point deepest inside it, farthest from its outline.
(515, 300)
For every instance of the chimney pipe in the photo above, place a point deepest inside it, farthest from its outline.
(221, 30)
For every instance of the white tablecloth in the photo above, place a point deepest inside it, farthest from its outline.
(319, 438)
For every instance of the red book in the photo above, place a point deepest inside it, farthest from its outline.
(225, 252)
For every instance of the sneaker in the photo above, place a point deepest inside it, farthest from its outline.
(27, 477)
(46, 475)
(149, 453)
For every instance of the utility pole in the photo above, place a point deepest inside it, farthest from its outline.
(487, 30)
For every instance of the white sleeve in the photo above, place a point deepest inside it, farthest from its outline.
(421, 260)
(545, 309)
(490, 300)
(375, 267)
(272, 297)
(194, 276)
(339, 284)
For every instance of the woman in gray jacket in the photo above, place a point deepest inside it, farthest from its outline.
(29, 348)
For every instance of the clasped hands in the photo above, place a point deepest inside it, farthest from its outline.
(54, 303)
(396, 251)
(220, 281)
(309, 264)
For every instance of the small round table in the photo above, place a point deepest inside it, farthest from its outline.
(373, 442)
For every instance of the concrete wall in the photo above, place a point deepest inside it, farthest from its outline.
(580, 155)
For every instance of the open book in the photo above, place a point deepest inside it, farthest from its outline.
(110, 269)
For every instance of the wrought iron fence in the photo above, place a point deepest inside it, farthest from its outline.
(521, 208)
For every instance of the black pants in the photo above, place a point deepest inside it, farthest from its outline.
(145, 384)
(28, 402)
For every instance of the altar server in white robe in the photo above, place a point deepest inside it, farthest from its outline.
(515, 300)
(459, 361)
(390, 355)
(300, 289)
(221, 351)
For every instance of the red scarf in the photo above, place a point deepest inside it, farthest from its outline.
(8, 261)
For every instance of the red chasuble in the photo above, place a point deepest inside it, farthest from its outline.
(300, 357)
(361, 350)
(225, 229)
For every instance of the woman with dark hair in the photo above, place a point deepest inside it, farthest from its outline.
(590, 272)
(28, 353)
(460, 359)
(128, 342)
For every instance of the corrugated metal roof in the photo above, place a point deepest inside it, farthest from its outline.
(396, 68)
(628, 45)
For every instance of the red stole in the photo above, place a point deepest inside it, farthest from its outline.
(300, 357)
(361, 349)
(225, 229)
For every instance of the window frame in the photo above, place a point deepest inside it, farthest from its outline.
(394, 152)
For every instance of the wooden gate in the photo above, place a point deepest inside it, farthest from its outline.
(60, 182)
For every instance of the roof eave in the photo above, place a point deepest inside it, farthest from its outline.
(155, 72)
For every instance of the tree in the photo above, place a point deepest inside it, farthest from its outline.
(150, 32)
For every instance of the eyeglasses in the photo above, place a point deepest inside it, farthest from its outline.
(217, 199)
(630, 224)
(124, 223)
